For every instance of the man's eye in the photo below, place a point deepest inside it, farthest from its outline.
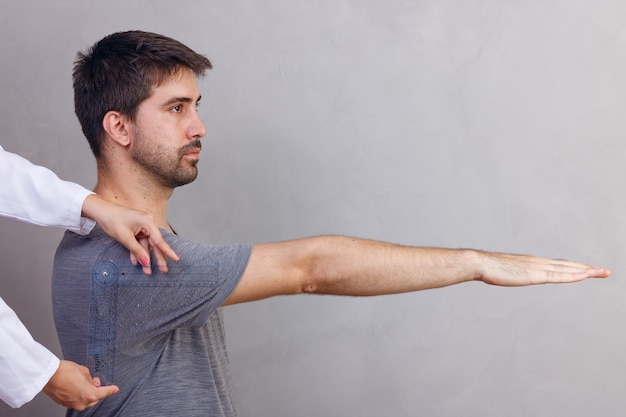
(177, 109)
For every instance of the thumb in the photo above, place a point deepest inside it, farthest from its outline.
(107, 391)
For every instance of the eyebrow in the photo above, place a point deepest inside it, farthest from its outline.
(180, 100)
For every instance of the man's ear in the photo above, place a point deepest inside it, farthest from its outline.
(116, 125)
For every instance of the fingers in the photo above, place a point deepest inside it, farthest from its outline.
(157, 242)
(598, 272)
(515, 270)
(152, 239)
(161, 250)
(142, 242)
(145, 262)
(564, 273)
(139, 251)
(569, 271)
(160, 259)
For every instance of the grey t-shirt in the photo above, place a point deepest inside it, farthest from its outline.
(159, 337)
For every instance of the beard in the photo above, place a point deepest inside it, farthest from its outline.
(170, 169)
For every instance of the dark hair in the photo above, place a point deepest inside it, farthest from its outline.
(118, 73)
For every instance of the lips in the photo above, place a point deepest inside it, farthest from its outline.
(192, 152)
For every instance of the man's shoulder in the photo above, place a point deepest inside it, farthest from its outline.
(85, 249)
(74, 240)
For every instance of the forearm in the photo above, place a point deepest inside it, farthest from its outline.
(349, 266)
(25, 365)
(35, 194)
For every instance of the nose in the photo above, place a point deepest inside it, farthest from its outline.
(196, 128)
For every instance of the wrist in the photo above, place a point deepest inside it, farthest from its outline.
(89, 207)
(474, 261)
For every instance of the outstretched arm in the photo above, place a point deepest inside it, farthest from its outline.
(134, 229)
(349, 266)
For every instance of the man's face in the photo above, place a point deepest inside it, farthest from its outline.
(167, 131)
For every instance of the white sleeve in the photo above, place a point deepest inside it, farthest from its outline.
(25, 365)
(35, 194)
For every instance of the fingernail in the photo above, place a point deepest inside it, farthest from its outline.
(145, 261)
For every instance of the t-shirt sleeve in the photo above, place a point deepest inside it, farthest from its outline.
(147, 307)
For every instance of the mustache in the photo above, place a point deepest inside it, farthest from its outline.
(191, 146)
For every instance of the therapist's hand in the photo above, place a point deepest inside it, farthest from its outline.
(72, 386)
(134, 229)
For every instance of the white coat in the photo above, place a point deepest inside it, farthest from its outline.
(32, 194)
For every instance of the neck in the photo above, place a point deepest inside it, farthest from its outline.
(132, 190)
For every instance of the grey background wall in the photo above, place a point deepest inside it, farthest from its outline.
(488, 124)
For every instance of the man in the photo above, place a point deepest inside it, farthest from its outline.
(161, 339)
(34, 194)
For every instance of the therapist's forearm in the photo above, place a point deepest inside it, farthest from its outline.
(25, 365)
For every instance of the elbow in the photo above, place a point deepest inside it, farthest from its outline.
(313, 263)
(305, 281)
(323, 271)
(309, 288)
(309, 277)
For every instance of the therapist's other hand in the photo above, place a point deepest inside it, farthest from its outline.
(73, 387)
